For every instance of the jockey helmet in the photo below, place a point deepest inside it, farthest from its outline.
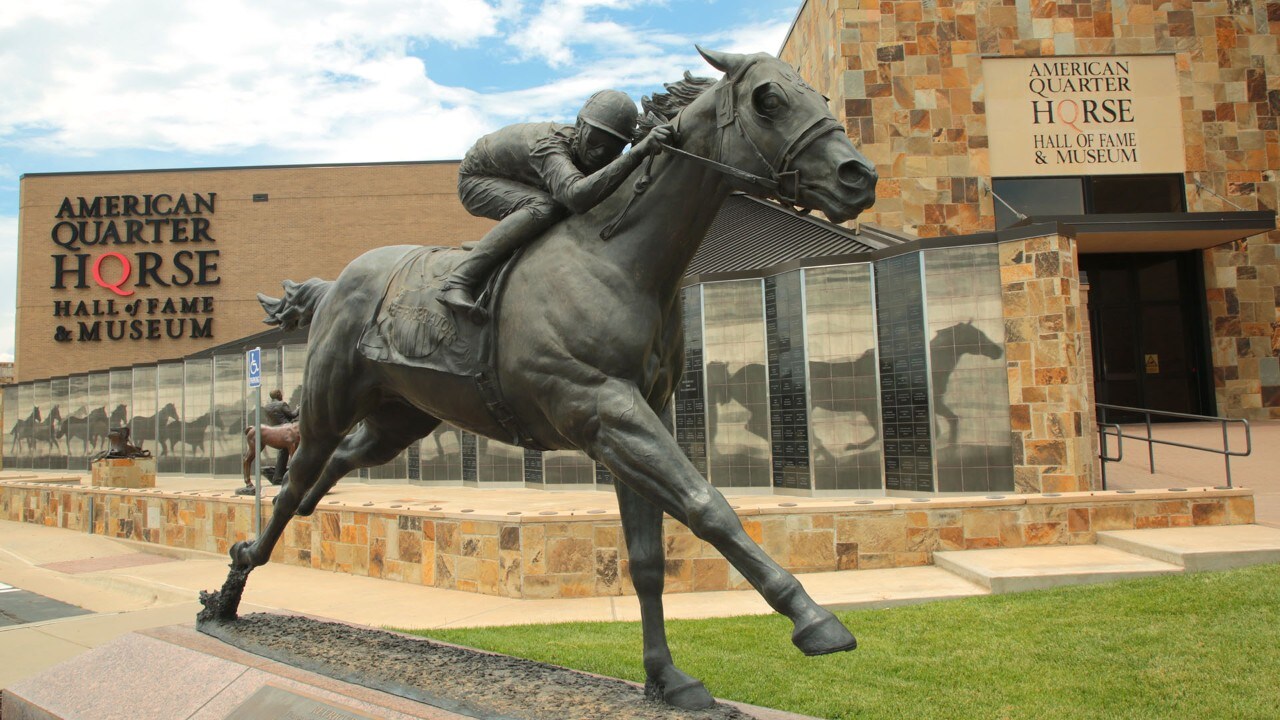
(612, 111)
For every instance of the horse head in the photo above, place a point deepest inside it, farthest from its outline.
(771, 122)
(119, 416)
(168, 412)
(968, 334)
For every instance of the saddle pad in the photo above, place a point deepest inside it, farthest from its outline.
(412, 328)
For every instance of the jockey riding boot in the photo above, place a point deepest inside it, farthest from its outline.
(513, 231)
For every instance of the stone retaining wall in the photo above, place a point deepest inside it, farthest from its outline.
(534, 556)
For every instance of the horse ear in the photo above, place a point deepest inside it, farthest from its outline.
(722, 61)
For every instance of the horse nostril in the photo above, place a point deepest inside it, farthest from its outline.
(857, 175)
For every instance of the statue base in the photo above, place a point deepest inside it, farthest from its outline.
(177, 671)
(123, 472)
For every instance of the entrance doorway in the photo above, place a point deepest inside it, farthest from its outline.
(1147, 318)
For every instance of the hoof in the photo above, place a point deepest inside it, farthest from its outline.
(823, 636)
(242, 555)
(691, 695)
(246, 490)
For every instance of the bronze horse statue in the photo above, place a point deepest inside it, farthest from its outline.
(279, 437)
(589, 344)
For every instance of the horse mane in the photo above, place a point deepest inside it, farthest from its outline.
(661, 108)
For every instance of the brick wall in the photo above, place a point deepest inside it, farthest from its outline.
(917, 110)
(315, 221)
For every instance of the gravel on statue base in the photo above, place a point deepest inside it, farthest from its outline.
(462, 680)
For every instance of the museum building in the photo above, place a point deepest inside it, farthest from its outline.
(1076, 204)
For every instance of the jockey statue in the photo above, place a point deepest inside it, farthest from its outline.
(529, 176)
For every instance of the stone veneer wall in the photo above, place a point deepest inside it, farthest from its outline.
(583, 555)
(912, 98)
(1047, 356)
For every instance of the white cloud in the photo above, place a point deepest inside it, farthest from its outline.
(558, 24)
(221, 77)
(754, 38)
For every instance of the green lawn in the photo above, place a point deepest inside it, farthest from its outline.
(1197, 646)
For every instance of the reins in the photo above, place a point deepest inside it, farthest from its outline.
(782, 183)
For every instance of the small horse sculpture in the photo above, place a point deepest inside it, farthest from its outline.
(279, 437)
(589, 344)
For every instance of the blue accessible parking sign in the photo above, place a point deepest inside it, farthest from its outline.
(254, 362)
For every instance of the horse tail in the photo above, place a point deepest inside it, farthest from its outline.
(298, 305)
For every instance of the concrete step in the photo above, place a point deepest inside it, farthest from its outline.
(1038, 568)
(1219, 547)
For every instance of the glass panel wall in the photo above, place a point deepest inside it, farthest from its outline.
(469, 473)
(844, 407)
(396, 471)
(788, 385)
(440, 457)
(499, 463)
(568, 469)
(736, 384)
(9, 424)
(293, 362)
(59, 392)
(20, 436)
(197, 394)
(904, 375)
(690, 395)
(42, 440)
(169, 418)
(227, 426)
(120, 397)
(143, 423)
(972, 437)
(98, 421)
(12, 426)
(77, 422)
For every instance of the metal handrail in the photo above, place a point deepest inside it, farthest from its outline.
(1226, 450)
(1102, 447)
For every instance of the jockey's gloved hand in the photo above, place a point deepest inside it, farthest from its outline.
(652, 143)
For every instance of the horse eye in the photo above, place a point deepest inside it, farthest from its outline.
(769, 100)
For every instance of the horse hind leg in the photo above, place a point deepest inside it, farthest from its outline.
(383, 435)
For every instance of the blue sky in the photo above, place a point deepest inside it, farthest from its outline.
(138, 84)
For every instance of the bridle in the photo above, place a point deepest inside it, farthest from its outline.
(783, 183)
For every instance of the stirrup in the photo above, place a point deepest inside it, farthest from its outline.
(467, 307)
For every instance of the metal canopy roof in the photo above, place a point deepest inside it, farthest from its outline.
(1160, 232)
(753, 234)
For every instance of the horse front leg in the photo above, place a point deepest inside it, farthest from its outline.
(629, 438)
(642, 527)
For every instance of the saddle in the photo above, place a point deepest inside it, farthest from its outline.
(412, 328)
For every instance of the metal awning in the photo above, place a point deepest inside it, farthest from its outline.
(1160, 232)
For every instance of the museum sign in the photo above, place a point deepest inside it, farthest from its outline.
(134, 267)
(1097, 115)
